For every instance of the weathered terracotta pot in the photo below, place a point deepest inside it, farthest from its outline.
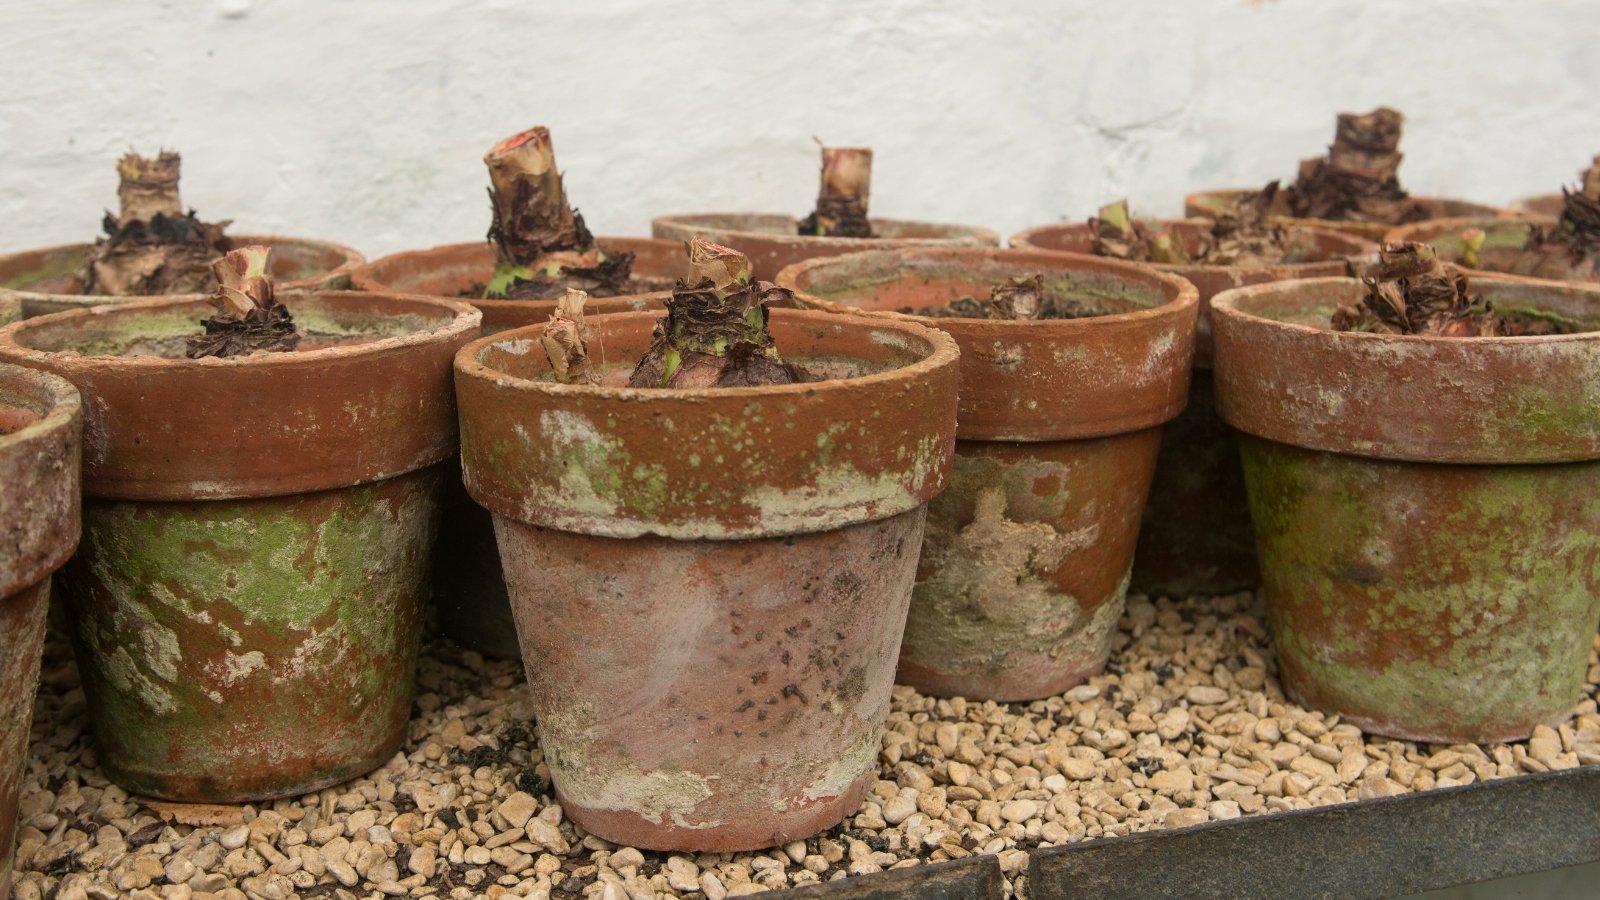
(1025, 563)
(1502, 250)
(711, 585)
(1549, 205)
(772, 242)
(46, 280)
(41, 424)
(1195, 537)
(1206, 204)
(247, 597)
(1427, 509)
(468, 583)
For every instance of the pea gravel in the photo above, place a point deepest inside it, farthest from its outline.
(1187, 725)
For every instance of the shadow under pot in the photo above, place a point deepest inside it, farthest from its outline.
(1507, 247)
(710, 585)
(468, 586)
(1427, 509)
(772, 240)
(41, 423)
(246, 600)
(1206, 205)
(50, 279)
(1025, 563)
(1195, 537)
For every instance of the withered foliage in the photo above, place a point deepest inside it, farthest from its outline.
(1358, 181)
(842, 198)
(249, 317)
(152, 246)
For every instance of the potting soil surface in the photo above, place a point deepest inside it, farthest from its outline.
(1188, 724)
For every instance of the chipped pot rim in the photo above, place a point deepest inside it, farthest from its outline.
(702, 223)
(1356, 247)
(48, 524)
(1472, 400)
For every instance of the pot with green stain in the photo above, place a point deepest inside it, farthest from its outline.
(41, 424)
(1427, 509)
(246, 603)
(1026, 559)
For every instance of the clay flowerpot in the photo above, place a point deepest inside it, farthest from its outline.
(1504, 246)
(710, 585)
(47, 280)
(41, 422)
(467, 582)
(772, 242)
(1196, 536)
(1025, 563)
(459, 271)
(1549, 205)
(1206, 204)
(1427, 508)
(256, 536)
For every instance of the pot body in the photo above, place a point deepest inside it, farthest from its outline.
(738, 695)
(246, 603)
(1441, 603)
(1025, 563)
(710, 586)
(772, 241)
(1427, 509)
(41, 424)
(1205, 204)
(468, 585)
(241, 649)
(47, 280)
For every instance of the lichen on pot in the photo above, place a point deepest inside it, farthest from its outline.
(257, 529)
(41, 420)
(1408, 487)
(1069, 368)
(732, 565)
(1196, 537)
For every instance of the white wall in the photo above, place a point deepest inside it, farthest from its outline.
(365, 122)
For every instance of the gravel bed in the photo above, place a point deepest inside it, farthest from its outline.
(1187, 725)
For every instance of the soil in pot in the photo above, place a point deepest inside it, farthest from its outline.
(1565, 247)
(839, 224)
(1025, 562)
(1355, 188)
(1196, 536)
(1424, 499)
(729, 565)
(154, 247)
(41, 423)
(257, 529)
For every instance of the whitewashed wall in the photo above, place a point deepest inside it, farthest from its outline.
(365, 122)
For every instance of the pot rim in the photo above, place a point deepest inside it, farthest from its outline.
(1198, 198)
(365, 278)
(1023, 240)
(960, 233)
(1504, 417)
(50, 525)
(1457, 224)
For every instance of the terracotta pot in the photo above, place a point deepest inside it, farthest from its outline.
(1503, 246)
(1425, 507)
(468, 585)
(710, 585)
(771, 241)
(46, 280)
(1025, 564)
(41, 424)
(1206, 204)
(1196, 538)
(246, 600)
(1548, 205)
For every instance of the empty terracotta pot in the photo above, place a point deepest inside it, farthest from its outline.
(1025, 563)
(710, 585)
(41, 424)
(468, 585)
(772, 242)
(1196, 537)
(1427, 509)
(48, 280)
(247, 597)
(1504, 250)
(1206, 204)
